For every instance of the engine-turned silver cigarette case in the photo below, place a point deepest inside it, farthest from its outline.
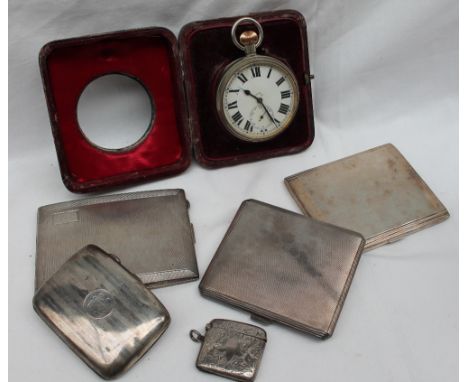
(284, 267)
(150, 232)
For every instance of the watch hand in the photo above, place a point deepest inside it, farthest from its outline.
(260, 101)
(269, 115)
(246, 91)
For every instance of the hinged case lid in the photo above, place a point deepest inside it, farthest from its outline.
(148, 55)
(101, 311)
(183, 99)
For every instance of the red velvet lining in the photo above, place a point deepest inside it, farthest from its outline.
(146, 55)
(207, 49)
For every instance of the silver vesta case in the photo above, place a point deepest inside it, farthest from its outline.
(375, 192)
(150, 232)
(104, 313)
(230, 349)
(284, 267)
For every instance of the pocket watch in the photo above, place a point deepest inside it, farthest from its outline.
(257, 96)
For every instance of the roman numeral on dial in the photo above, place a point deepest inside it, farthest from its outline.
(283, 109)
(285, 94)
(232, 105)
(280, 81)
(237, 117)
(255, 71)
(248, 126)
(269, 73)
(242, 77)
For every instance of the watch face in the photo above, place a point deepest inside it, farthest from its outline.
(257, 98)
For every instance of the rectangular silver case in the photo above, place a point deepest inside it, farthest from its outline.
(232, 349)
(375, 192)
(104, 313)
(149, 231)
(284, 267)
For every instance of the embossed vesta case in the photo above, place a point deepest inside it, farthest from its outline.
(230, 349)
(103, 312)
(284, 267)
(150, 232)
(375, 192)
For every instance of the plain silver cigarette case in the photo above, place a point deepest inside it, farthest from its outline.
(375, 192)
(103, 312)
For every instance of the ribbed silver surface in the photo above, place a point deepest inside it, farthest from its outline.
(285, 267)
(149, 231)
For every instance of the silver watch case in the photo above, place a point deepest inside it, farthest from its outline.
(239, 65)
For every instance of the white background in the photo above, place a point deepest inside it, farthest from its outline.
(386, 71)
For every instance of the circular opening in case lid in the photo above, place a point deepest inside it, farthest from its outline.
(115, 112)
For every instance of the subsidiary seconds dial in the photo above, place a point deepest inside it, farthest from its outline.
(257, 96)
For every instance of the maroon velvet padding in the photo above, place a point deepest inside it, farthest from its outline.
(151, 57)
(207, 49)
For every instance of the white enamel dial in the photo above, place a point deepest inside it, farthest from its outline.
(257, 98)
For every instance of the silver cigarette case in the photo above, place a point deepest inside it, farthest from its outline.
(101, 311)
(149, 231)
(230, 349)
(375, 192)
(284, 267)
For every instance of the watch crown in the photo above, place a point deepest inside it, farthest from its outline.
(248, 38)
